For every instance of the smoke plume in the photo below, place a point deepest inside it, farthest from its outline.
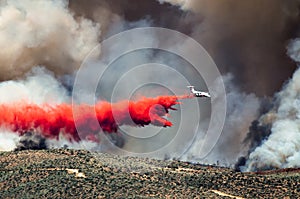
(32, 141)
(43, 33)
(235, 34)
(281, 149)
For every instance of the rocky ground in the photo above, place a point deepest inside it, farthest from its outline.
(64, 173)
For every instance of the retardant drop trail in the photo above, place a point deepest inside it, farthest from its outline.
(83, 121)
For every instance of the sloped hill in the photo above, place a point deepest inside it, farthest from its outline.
(63, 173)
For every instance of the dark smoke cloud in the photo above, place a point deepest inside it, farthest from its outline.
(249, 39)
(259, 129)
(31, 141)
(281, 148)
(257, 134)
(246, 38)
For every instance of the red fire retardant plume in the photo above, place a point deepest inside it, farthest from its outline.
(53, 120)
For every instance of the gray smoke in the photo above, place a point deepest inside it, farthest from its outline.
(235, 34)
(282, 148)
(242, 108)
(31, 141)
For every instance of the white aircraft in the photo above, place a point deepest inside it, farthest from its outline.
(198, 93)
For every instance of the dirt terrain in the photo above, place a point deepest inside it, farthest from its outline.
(64, 173)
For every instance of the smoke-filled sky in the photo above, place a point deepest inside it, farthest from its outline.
(44, 43)
(246, 38)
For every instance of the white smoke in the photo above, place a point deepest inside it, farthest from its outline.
(42, 32)
(282, 147)
(39, 87)
(8, 140)
(184, 4)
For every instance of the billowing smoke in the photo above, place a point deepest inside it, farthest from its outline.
(184, 4)
(43, 33)
(235, 34)
(38, 86)
(8, 140)
(281, 146)
(31, 140)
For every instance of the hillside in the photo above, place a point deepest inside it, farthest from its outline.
(80, 174)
